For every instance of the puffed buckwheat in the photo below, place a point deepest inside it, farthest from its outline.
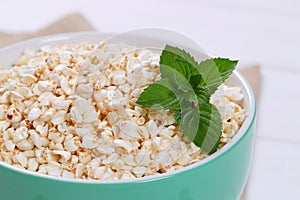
(70, 111)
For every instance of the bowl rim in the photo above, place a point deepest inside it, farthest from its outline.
(243, 131)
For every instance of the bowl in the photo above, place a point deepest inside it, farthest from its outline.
(222, 175)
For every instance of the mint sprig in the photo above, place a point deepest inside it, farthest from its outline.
(186, 87)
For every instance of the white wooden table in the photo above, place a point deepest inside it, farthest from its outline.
(255, 31)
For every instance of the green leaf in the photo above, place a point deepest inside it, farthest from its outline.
(202, 125)
(210, 128)
(188, 120)
(197, 80)
(184, 68)
(181, 87)
(170, 55)
(215, 71)
(202, 95)
(159, 95)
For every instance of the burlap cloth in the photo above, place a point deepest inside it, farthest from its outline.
(75, 22)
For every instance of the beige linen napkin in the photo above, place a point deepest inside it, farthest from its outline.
(71, 23)
(75, 23)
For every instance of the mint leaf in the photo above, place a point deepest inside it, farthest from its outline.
(171, 55)
(208, 133)
(197, 80)
(159, 95)
(184, 68)
(203, 96)
(181, 87)
(210, 128)
(215, 71)
(188, 121)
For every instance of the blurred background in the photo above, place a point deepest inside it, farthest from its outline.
(263, 32)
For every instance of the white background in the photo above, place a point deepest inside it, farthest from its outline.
(255, 31)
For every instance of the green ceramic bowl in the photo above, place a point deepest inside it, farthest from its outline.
(221, 176)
